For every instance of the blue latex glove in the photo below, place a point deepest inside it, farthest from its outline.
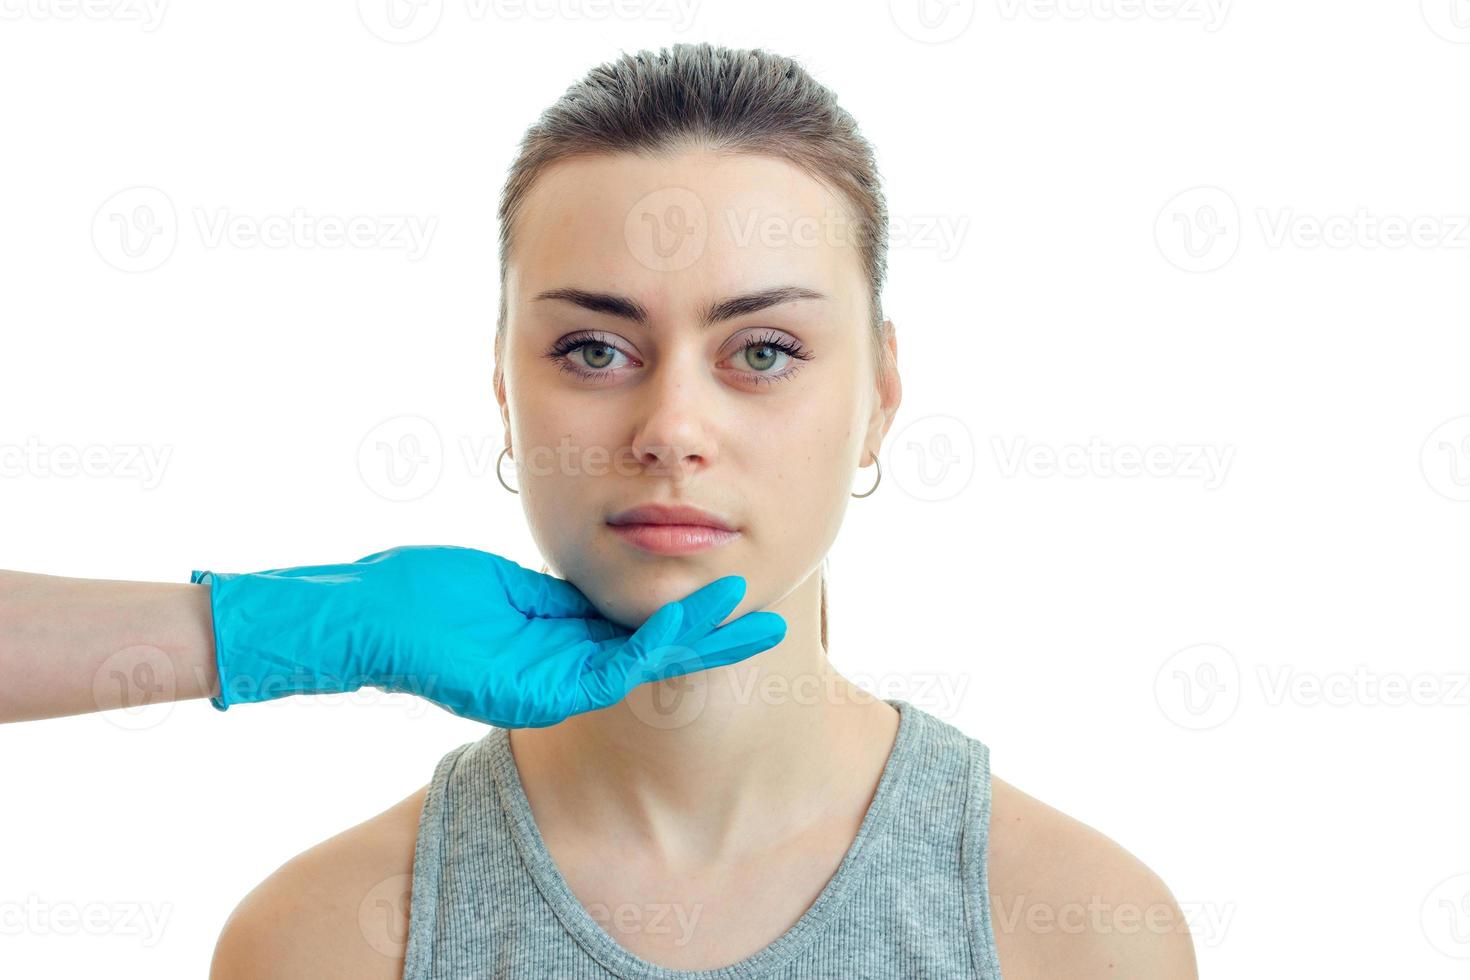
(475, 633)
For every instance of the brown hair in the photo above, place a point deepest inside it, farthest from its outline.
(724, 99)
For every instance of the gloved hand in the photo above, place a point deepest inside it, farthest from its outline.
(477, 634)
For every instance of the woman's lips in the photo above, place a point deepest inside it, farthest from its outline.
(673, 539)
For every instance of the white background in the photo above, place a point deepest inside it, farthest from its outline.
(1198, 662)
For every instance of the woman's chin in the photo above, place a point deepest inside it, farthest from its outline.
(629, 599)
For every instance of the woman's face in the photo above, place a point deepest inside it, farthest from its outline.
(648, 378)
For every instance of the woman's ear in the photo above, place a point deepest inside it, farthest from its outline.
(497, 379)
(890, 388)
(498, 384)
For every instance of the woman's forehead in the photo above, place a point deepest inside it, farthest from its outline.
(695, 224)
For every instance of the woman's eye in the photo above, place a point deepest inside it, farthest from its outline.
(594, 355)
(772, 358)
(767, 359)
(587, 358)
(762, 356)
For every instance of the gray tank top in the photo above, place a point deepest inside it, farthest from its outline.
(909, 898)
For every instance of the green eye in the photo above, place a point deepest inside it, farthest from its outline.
(593, 354)
(762, 363)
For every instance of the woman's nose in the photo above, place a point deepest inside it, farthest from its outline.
(673, 427)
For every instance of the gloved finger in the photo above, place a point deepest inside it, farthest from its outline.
(609, 681)
(703, 609)
(752, 633)
(707, 606)
(600, 629)
(539, 595)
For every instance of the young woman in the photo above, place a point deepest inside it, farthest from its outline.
(690, 333)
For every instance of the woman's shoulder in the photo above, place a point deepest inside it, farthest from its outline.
(338, 909)
(1067, 901)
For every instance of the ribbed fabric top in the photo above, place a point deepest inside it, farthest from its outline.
(909, 898)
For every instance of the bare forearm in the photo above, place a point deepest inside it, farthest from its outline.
(74, 645)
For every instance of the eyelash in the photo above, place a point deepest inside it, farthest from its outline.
(576, 341)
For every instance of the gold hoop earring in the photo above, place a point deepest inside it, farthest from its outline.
(875, 482)
(497, 471)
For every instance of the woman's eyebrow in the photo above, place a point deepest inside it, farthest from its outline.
(725, 309)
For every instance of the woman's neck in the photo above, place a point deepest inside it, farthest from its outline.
(698, 768)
